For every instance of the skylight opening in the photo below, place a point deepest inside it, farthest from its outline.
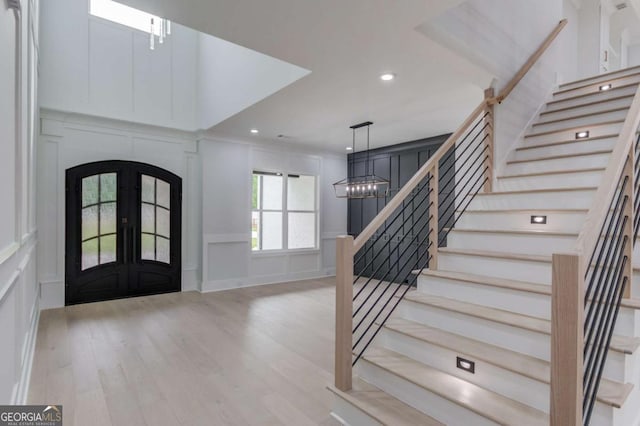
(125, 15)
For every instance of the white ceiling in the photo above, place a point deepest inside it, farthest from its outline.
(346, 45)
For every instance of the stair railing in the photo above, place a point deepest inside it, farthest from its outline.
(589, 283)
(375, 270)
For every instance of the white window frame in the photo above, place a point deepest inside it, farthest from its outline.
(285, 214)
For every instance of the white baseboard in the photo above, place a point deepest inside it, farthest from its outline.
(21, 391)
(230, 284)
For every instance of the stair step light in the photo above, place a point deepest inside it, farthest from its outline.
(466, 365)
(539, 219)
(582, 135)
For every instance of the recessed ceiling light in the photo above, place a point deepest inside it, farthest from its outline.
(254, 131)
(605, 87)
(349, 148)
(387, 76)
(582, 135)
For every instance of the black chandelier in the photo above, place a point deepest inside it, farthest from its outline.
(367, 186)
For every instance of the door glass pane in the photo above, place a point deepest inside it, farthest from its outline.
(89, 190)
(107, 218)
(162, 222)
(108, 187)
(107, 249)
(271, 192)
(148, 189)
(163, 250)
(271, 230)
(302, 230)
(301, 193)
(162, 193)
(148, 218)
(89, 254)
(89, 222)
(148, 247)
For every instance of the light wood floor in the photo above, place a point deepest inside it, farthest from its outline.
(255, 356)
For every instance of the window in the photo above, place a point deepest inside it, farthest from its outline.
(99, 195)
(124, 15)
(274, 226)
(155, 217)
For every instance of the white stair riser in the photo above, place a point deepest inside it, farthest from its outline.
(565, 149)
(555, 181)
(587, 109)
(514, 338)
(522, 302)
(511, 243)
(559, 164)
(601, 79)
(521, 221)
(489, 376)
(349, 415)
(532, 304)
(537, 272)
(582, 121)
(595, 97)
(421, 399)
(595, 131)
(595, 87)
(541, 200)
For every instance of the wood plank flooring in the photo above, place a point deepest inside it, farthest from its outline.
(254, 356)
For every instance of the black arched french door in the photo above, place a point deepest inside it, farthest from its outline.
(123, 231)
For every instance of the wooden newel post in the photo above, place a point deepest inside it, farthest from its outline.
(567, 340)
(344, 311)
(488, 138)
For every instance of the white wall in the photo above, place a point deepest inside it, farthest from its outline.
(589, 38)
(228, 261)
(18, 236)
(68, 140)
(97, 67)
(634, 55)
(500, 36)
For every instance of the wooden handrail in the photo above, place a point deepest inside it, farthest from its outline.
(530, 63)
(395, 202)
(590, 234)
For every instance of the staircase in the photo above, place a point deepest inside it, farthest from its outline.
(472, 344)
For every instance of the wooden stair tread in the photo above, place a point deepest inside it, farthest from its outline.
(585, 115)
(536, 191)
(514, 231)
(574, 128)
(631, 303)
(603, 101)
(610, 80)
(497, 254)
(561, 172)
(600, 78)
(490, 281)
(622, 344)
(383, 407)
(594, 94)
(567, 142)
(486, 403)
(561, 156)
(610, 392)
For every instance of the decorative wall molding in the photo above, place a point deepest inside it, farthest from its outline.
(14, 4)
(21, 391)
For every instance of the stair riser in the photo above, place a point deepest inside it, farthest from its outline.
(570, 135)
(512, 243)
(514, 338)
(583, 121)
(586, 109)
(544, 200)
(536, 272)
(347, 414)
(489, 376)
(555, 181)
(421, 399)
(595, 97)
(594, 87)
(565, 149)
(526, 303)
(601, 79)
(559, 164)
(521, 221)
